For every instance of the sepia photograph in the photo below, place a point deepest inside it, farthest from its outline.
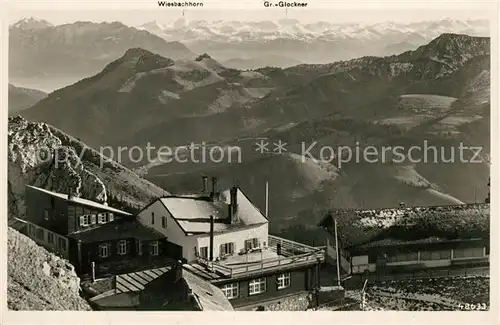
(280, 158)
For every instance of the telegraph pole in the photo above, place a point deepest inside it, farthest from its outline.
(338, 253)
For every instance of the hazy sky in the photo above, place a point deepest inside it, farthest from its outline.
(67, 12)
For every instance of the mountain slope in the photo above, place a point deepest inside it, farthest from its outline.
(22, 98)
(55, 54)
(436, 96)
(150, 90)
(39, 280)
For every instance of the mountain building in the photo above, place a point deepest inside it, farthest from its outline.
(96, 238)
(224, 239)
(409, 239)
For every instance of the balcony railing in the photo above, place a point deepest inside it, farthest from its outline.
(292, 253)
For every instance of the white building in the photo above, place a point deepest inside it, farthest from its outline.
(237, 225)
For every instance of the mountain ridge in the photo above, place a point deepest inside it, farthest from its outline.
(21, 98)
(49, 53)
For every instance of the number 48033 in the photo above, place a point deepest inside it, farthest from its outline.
(479, 306)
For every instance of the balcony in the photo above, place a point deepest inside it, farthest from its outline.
(280, 253)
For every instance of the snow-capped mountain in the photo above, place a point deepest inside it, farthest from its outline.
(31, 23)
(319, 42)
(194, 31)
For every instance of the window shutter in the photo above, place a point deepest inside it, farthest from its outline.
(93, 219)
(221, 250)
(81, 221)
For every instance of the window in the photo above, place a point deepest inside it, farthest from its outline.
(435, 255)
(32, 230)
(103, 250)
(111, 217)
(84, 220)
(40, 234)
(204, 252)
(153, 249)
(152, 218)
(163, 222)
(93, 219)
(139, 247)
(62, 243)
(52, 202)
(283, 280)
(231, 290)
(122, 247)
(257, 286)
(226, 249)
(468, 252)
(251, 243)
(403, 257)
(50, 238)
(101, 218)
(46, 214)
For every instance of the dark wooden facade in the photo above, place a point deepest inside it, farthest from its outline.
(133, 260)
(61, 215)
(99, 226)
(304, 279)
(375, 251)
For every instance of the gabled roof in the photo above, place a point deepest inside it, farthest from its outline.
(209, 297)
(357, 227)
(179, 289)
(80, 201)
(192, 213)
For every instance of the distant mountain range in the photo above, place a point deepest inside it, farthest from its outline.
(439, 93)
(22, 98)
(259, 62)
(48, 57)
(319, 42)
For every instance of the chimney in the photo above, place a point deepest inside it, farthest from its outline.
(234, 204)
(205, 184)
(178, 271)
(70, 194)
(214, 188)
(211, 244)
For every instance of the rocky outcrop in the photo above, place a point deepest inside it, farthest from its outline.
(43, 156)
(39, 280)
